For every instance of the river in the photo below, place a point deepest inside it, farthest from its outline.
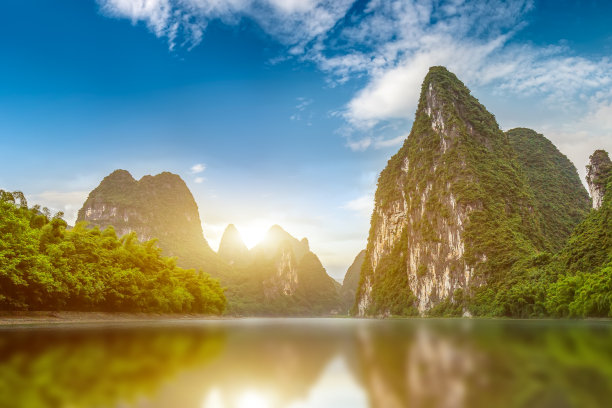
(299, 363)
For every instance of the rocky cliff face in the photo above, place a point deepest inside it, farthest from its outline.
(160, 207)
(598, 171)
(451, 206)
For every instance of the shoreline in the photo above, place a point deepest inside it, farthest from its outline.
(35, 318)
(21, 318)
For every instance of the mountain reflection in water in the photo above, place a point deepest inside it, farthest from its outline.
(300, 363)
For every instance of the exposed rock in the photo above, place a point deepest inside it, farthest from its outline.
(598, 172)
(452, 188)
(159, 207)
(284, 280)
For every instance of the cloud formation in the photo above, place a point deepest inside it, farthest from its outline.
(292, 22)
(363, 205)
(390, 44)
(198, 168)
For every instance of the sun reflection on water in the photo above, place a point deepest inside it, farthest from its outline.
(310, 363)
(245, 399)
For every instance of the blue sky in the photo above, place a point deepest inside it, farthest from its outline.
(291, 107)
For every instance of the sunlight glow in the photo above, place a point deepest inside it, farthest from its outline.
(254, 231)
(246, 399)
(252, 399)
(213, 399)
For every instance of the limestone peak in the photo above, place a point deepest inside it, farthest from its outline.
(599, 170)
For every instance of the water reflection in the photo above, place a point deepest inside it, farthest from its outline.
(301, 363)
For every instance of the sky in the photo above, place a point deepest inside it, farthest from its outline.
(279, 111)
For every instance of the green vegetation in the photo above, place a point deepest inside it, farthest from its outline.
(498, 363)
(560, 197)
(519, 202)
(351, 282)
(98, 368)
(392, 294)
(45, 266)
(476, 164)
(162, 206)
(278, 277)
(575, 282)
(253, 289)
(159, 206)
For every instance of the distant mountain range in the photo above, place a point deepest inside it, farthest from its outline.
(280, 275)
(468, 220)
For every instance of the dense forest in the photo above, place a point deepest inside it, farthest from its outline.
(46, 266)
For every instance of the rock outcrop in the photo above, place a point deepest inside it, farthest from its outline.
(598, 171)
(451, 207)
(159, 207)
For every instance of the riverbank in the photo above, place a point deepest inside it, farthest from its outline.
(17, 318)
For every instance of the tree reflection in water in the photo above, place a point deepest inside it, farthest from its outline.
(310, 362)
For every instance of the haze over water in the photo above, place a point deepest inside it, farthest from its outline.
(248, 363)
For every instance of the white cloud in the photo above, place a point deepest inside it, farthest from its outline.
(198, 168)
(301, 106)
(384, 143)
(470, 39)
(199, 180)
(362, 205)
(293, 22)
(378, 142)
(391, 44)
(303, 103)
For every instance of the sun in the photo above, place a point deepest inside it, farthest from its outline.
(252, 232)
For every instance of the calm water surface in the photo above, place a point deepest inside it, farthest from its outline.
(256, 363)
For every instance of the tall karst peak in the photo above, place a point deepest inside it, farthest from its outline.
(232, 248)
(599, 171)
(450, 207)
(444, 98)
(159, 206)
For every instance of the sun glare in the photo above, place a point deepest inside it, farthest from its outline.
(252, 399)
(245, 399)
(254, 231)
